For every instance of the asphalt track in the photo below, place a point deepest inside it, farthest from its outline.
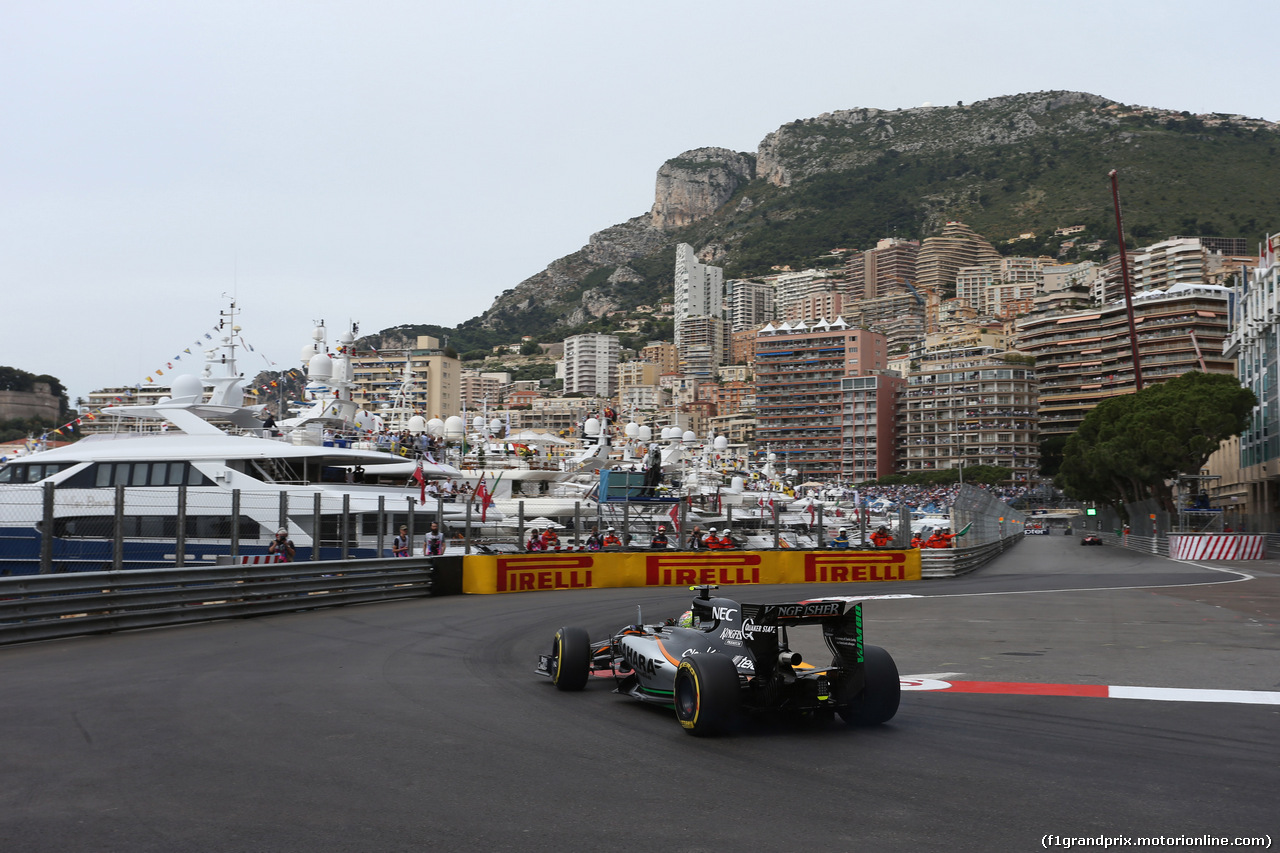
(420, 725)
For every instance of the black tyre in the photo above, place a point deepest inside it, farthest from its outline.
(879, 699)
(572, 652)
(708, 697)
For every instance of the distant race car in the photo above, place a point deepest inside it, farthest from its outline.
(1090, 539)
(726, 658)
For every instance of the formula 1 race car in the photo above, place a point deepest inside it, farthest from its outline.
(727, 658)
(1090, 539)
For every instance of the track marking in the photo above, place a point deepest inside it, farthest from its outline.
(933, 682)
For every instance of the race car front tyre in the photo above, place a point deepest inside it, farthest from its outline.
(708, 697)
(878, 701)
(572, 653)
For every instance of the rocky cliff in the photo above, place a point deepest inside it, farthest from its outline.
(1011, 164)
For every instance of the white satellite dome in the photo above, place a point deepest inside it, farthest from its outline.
(477, 423)
(632, 429)
(368, 421)
(645, 433)
(435, 426)
(308, 350)
(495, 426)
(346, 337)
(185, 389)
(320, 367)
(737, 484)
(689, 437)
(318, 333)
(454, 427)
(417, 424)
(591, 427)
(721, 443)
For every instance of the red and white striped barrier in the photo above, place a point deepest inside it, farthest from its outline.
(259, 559)
(1217, 546)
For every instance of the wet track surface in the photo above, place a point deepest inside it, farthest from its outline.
(420, 725)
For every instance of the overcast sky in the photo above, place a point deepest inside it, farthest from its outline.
(405, 162)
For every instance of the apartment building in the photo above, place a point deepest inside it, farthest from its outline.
(591, 364)
(477, 389)
(1004, 289)
(699, 313)
(820, 305)
(663, 354)
(748, 304)
(881, 270)
(1085, 357)
(800, 398)
(941, 258)
(795, 286)
(421, 380)
(970, 406)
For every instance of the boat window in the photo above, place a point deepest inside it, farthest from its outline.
(154, 527)
(29, 473)
(131, 474)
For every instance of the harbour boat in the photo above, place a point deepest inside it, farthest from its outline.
(211, 481)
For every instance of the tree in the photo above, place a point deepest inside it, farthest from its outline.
(1130, 448)
(530, 348)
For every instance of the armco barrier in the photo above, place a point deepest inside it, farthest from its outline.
(41, 607)
(596, 570)
(949, 562)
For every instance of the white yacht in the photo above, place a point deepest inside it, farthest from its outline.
(130, 498)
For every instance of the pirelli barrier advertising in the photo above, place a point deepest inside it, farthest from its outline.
(599, 570)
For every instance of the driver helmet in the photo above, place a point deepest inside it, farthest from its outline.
(685, 620)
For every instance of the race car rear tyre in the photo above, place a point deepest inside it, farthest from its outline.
(707, 694)
(879, 699)
(572, 652)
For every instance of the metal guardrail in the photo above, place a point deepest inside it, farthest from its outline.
(42, 607)
(950, 562)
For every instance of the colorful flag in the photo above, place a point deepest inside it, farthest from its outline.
(422, 483)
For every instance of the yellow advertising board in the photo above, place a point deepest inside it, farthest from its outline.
(603, 569)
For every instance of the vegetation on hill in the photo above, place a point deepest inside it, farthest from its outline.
(1007, 167)
(13, 379)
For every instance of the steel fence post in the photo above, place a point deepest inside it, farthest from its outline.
(315, 521)
(117, 545)
(180, 539)
(235, 525)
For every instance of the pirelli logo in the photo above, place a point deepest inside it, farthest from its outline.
(855, 566)
(690, 569)
(567, 571)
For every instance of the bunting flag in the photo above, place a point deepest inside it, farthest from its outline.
(675, 516)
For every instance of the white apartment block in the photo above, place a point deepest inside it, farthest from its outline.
(591, 364)
(749, 304)
(699, 323)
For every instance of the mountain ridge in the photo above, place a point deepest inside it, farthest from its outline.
(1005, 165)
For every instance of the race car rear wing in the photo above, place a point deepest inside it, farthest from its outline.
(764, 627)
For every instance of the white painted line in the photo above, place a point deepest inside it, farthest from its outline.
(1184, 694)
